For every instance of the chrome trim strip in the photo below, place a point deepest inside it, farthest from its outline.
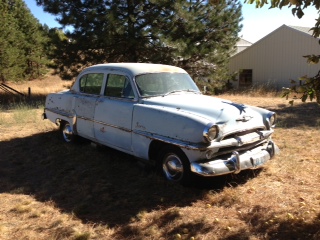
(244, 148)
(255, 129)
(242, 140)
(84, 118)
(106, 124)
(75, 117)
(61, 112)
(176, 142)
(113, 126)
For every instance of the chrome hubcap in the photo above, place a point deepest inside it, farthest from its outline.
(67, 133)
(173, 167)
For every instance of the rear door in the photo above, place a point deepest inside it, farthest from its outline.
(113, 112)
(85, 102)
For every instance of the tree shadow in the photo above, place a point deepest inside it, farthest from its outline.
(262, 222)
(101, 186)
(300, 114)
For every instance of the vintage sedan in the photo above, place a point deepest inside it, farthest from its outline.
(157, 113)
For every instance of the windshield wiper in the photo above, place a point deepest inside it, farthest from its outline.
(184, 90)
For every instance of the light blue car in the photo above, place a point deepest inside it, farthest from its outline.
(157, 113)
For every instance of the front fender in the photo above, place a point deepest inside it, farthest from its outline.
(168, 123)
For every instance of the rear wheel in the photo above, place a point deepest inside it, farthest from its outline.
(175, 165)
(67, 132)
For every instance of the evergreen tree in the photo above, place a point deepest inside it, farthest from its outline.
(204, 34)
(33, 41)
(107, 31)
(12, 62)
(195, 34)
(22, 42)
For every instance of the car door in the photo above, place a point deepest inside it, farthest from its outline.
(113, 113)
(84, 103)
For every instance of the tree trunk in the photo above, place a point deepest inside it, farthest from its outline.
(317, 96)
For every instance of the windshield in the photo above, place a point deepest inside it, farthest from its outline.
(155, 84)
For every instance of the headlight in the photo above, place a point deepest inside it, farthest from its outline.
(211, 132)
(271, 120)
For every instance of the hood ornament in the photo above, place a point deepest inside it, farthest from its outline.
(244, 118)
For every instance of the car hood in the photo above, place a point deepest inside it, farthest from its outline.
(214, 109)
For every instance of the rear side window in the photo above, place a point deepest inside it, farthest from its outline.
(118, 86)
(91, 83)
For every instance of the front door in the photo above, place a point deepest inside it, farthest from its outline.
(113, 113)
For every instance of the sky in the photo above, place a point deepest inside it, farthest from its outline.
(257, 22)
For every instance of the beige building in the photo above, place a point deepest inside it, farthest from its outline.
(276, 59)
(242, 45)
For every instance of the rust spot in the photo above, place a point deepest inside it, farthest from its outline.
(140, 126)
(171, 69)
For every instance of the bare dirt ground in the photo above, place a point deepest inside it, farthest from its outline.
(52, 190)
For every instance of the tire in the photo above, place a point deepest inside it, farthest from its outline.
(174, 165)
(67, 132)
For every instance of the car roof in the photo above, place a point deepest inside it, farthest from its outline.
(137, 68)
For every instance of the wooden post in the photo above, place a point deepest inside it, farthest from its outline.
(29, 93)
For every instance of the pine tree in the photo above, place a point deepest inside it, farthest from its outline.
(33, 41)
(12, 62)
(108, 31)
(22, 43)
(204, 34)
(194, 34)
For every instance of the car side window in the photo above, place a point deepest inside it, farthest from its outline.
(91, 83)
(118, 86)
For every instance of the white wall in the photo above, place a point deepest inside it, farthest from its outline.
(277, 58)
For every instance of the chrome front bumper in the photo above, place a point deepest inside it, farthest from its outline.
(250, 159)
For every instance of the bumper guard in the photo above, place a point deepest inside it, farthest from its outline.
(251, 159)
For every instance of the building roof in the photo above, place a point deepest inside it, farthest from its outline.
(302, 29)
(242, 42)
(241, 45)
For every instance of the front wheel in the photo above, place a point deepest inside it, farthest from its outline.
(175, 165)
(67, 132)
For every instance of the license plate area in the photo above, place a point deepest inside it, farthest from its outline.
(259, 159)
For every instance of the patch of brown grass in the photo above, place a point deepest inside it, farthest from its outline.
(34, 91)
(49, 84)
(23, 217)
(52, 190)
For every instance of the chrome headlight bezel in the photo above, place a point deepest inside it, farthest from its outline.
(211, 132)
(271, 120)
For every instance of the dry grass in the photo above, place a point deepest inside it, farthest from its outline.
(38, 90)
(49, 84)
(52, 190)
